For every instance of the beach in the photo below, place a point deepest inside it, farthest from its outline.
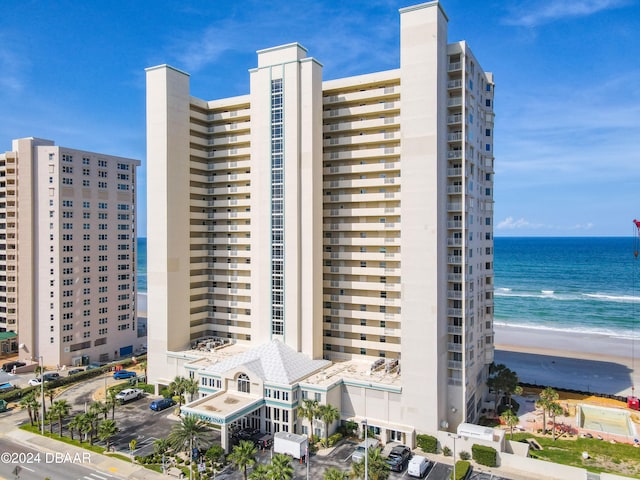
(563, 358)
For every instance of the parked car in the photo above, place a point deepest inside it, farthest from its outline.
(94, 365)
(399, 458)
(161, 404)
(418, 466)
(9, 366)
(124, 374)
(129, 394)
(359, 452)
(34, 382)
(73, 371)
(49, 377)
(7, 387)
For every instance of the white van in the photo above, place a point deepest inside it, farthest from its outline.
(418, 466)
(359, 452)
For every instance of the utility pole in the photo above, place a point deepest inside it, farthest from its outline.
(366, 450)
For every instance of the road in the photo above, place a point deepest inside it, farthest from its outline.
(25, 463)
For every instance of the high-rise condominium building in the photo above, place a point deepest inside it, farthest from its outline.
(348, 220)
(68, 253)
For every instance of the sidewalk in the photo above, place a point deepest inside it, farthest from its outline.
(104, 463)
(510, 473)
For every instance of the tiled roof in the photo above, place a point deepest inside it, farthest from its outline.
(273, 362)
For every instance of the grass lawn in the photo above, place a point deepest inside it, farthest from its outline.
(604, 456)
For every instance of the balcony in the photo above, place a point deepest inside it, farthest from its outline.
(454, 137)
(454, 119)
(454, 154)
(455, 66)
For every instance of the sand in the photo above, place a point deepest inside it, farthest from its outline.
(579, 361)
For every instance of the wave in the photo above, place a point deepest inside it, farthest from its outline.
(624, 334)
(551, 294)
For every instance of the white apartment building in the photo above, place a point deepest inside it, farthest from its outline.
(68, 253)
(349, 220)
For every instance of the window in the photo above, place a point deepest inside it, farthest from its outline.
(244, 384)
(317, 397)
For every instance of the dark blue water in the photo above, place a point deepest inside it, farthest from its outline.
(587, 284)
(141, 277)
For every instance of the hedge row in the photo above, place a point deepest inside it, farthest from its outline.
(484, 455)
(462, 469)
(427, 443)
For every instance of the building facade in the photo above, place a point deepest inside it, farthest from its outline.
(68, 253)
(349, 219)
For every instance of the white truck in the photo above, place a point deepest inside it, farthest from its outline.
(290, 444)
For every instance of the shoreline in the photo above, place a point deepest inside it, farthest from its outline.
(588, 362)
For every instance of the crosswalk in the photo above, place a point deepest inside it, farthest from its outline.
(97, 476)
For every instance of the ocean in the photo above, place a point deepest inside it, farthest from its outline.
(586, 284)
(141, 277)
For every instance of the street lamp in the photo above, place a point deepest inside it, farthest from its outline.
(454, 437)
(41, 361)
(366, 450)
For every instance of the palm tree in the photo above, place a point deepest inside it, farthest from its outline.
(160, 446)
(191, 387)
(327, 414)
(547, 397)
(30, 403)
(84, 425)
(191, 432)
(333, 473)
(260, 472)
(243, 456)
(50, 392)
(378, 466)
(280, 468)
(106, 430)
(376, 463)
(555, 409)
(99, 408)
(74, 425)
(60, 410)
(111, 402)
(307, 409)
(178, 387)
(50, 417)
(510, 419)
(89, 427)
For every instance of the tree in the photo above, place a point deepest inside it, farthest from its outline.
(50, 392)
(111, 402)
(547, 397)
(161, 446)
(280, 468)
(30, 403)
(243, 456)
(178, 387)
(39, 369)
(74, 425)
(333, 473)
(555, 409)
(99, 408)
(378, 466)
(510, 419)
(89, 424)
(260, 472)
(378, 469)
(85, 425)
(327, 414)
(308, 409)
(191, 387)
(215, 454)
(501, 380)
(191, 432)
(106, 430)
(60, 410)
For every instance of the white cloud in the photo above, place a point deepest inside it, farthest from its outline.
(532, 14)
(11, 65)
(510, 223)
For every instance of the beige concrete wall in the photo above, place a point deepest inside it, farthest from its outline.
(168, 216)
(423, 40)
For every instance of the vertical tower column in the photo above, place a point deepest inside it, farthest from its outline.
(423, 47)
(286, 153)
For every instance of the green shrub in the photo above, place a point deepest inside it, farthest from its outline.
(462, 469)
(446, 451)
(427, 443)
(335, 438)
(484, 455)
(465, 455)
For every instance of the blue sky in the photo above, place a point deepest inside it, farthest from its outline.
(567, 74)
